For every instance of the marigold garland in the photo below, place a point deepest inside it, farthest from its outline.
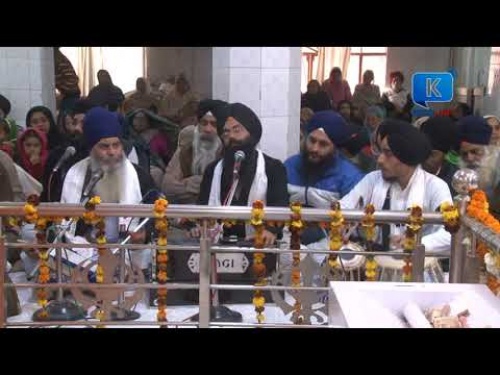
(478, 208)
(31, 216)
(451, 217)
(91, 218)
(259, 267)
(413, 227)
(368, 229)
(161, 225)
(336, 227)
(296, 225)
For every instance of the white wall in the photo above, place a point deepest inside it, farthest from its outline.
(267, 79)
(27, 79)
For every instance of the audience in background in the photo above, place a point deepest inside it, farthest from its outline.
(337, 88)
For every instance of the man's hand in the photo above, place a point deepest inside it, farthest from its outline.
(268, 237)
(138, 237)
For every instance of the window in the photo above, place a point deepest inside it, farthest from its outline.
(494, 76)
(363, 58)
(125, 64)
(308, 63)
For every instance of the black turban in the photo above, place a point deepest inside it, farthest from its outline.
(407, 143)
(246, 117)
(442, 133)
(218, 108)
(4, 105)
(474, 129)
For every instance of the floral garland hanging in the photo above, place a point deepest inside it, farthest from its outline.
(296, 225)
(91, 218)
(368, 229)
(31, 217)
(478, 208)
(413, 227)
(451, 217)
(336, 227)
(161, 225)
(259, 267)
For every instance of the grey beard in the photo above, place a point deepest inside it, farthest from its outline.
(204, 152)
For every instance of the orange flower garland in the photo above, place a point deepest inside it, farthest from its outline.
(296, 225)
(415, 222)
(31, 216)
(478, 209)
(368, 228)
(336, 226)
(91, 218)
(259, 267)
(161, 225)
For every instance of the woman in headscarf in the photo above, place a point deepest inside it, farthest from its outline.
(33, 152)
(154, 135)
(41, 118)
(315, 98)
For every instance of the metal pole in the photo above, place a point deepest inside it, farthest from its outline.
(204, 295)
(418, 263)
(3, 255)
(457, 251)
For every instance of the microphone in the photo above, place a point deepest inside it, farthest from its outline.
(96, 176)
(69, 152)
(239, 156)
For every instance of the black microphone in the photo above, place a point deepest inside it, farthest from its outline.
(69, 152)
(96, 176)
(239, 156)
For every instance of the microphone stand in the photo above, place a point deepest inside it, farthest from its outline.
(63, 309)
(124, 314)
(218, 312)
(60, 309)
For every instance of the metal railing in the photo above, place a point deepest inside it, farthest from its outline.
(207, 213)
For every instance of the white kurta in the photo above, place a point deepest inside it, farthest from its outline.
(424, 189)
(130, 194)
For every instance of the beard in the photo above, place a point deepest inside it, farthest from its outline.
(205, 151)
(316, 164)
(107, 164)
(110, 185)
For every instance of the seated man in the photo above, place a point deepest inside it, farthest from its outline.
(260, 178)
(443, 136)
(321, 174)
(199, 146)
(477, 154)
(399, 184)
(122, 181)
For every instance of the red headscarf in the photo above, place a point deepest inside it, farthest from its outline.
(36, 170)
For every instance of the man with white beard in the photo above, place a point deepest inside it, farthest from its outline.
(122, 181)
(198, 146)
(477, 154)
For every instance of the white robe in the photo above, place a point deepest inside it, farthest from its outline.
(130, 194)
(424, 189)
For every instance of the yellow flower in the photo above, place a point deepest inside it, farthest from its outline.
(333, 262)
(162, 241)
(95, 200)
(370, 274)
(261, 318)
(259, 301)
(371, 264)
(409, 243)
(101, 240)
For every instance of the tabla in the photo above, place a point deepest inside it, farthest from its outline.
(391, 269)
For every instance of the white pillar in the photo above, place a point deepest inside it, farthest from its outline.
(267, 79)
(27, 79)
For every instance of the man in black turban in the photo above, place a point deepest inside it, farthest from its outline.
(401, 183)
(442, 133)
(236, 182)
